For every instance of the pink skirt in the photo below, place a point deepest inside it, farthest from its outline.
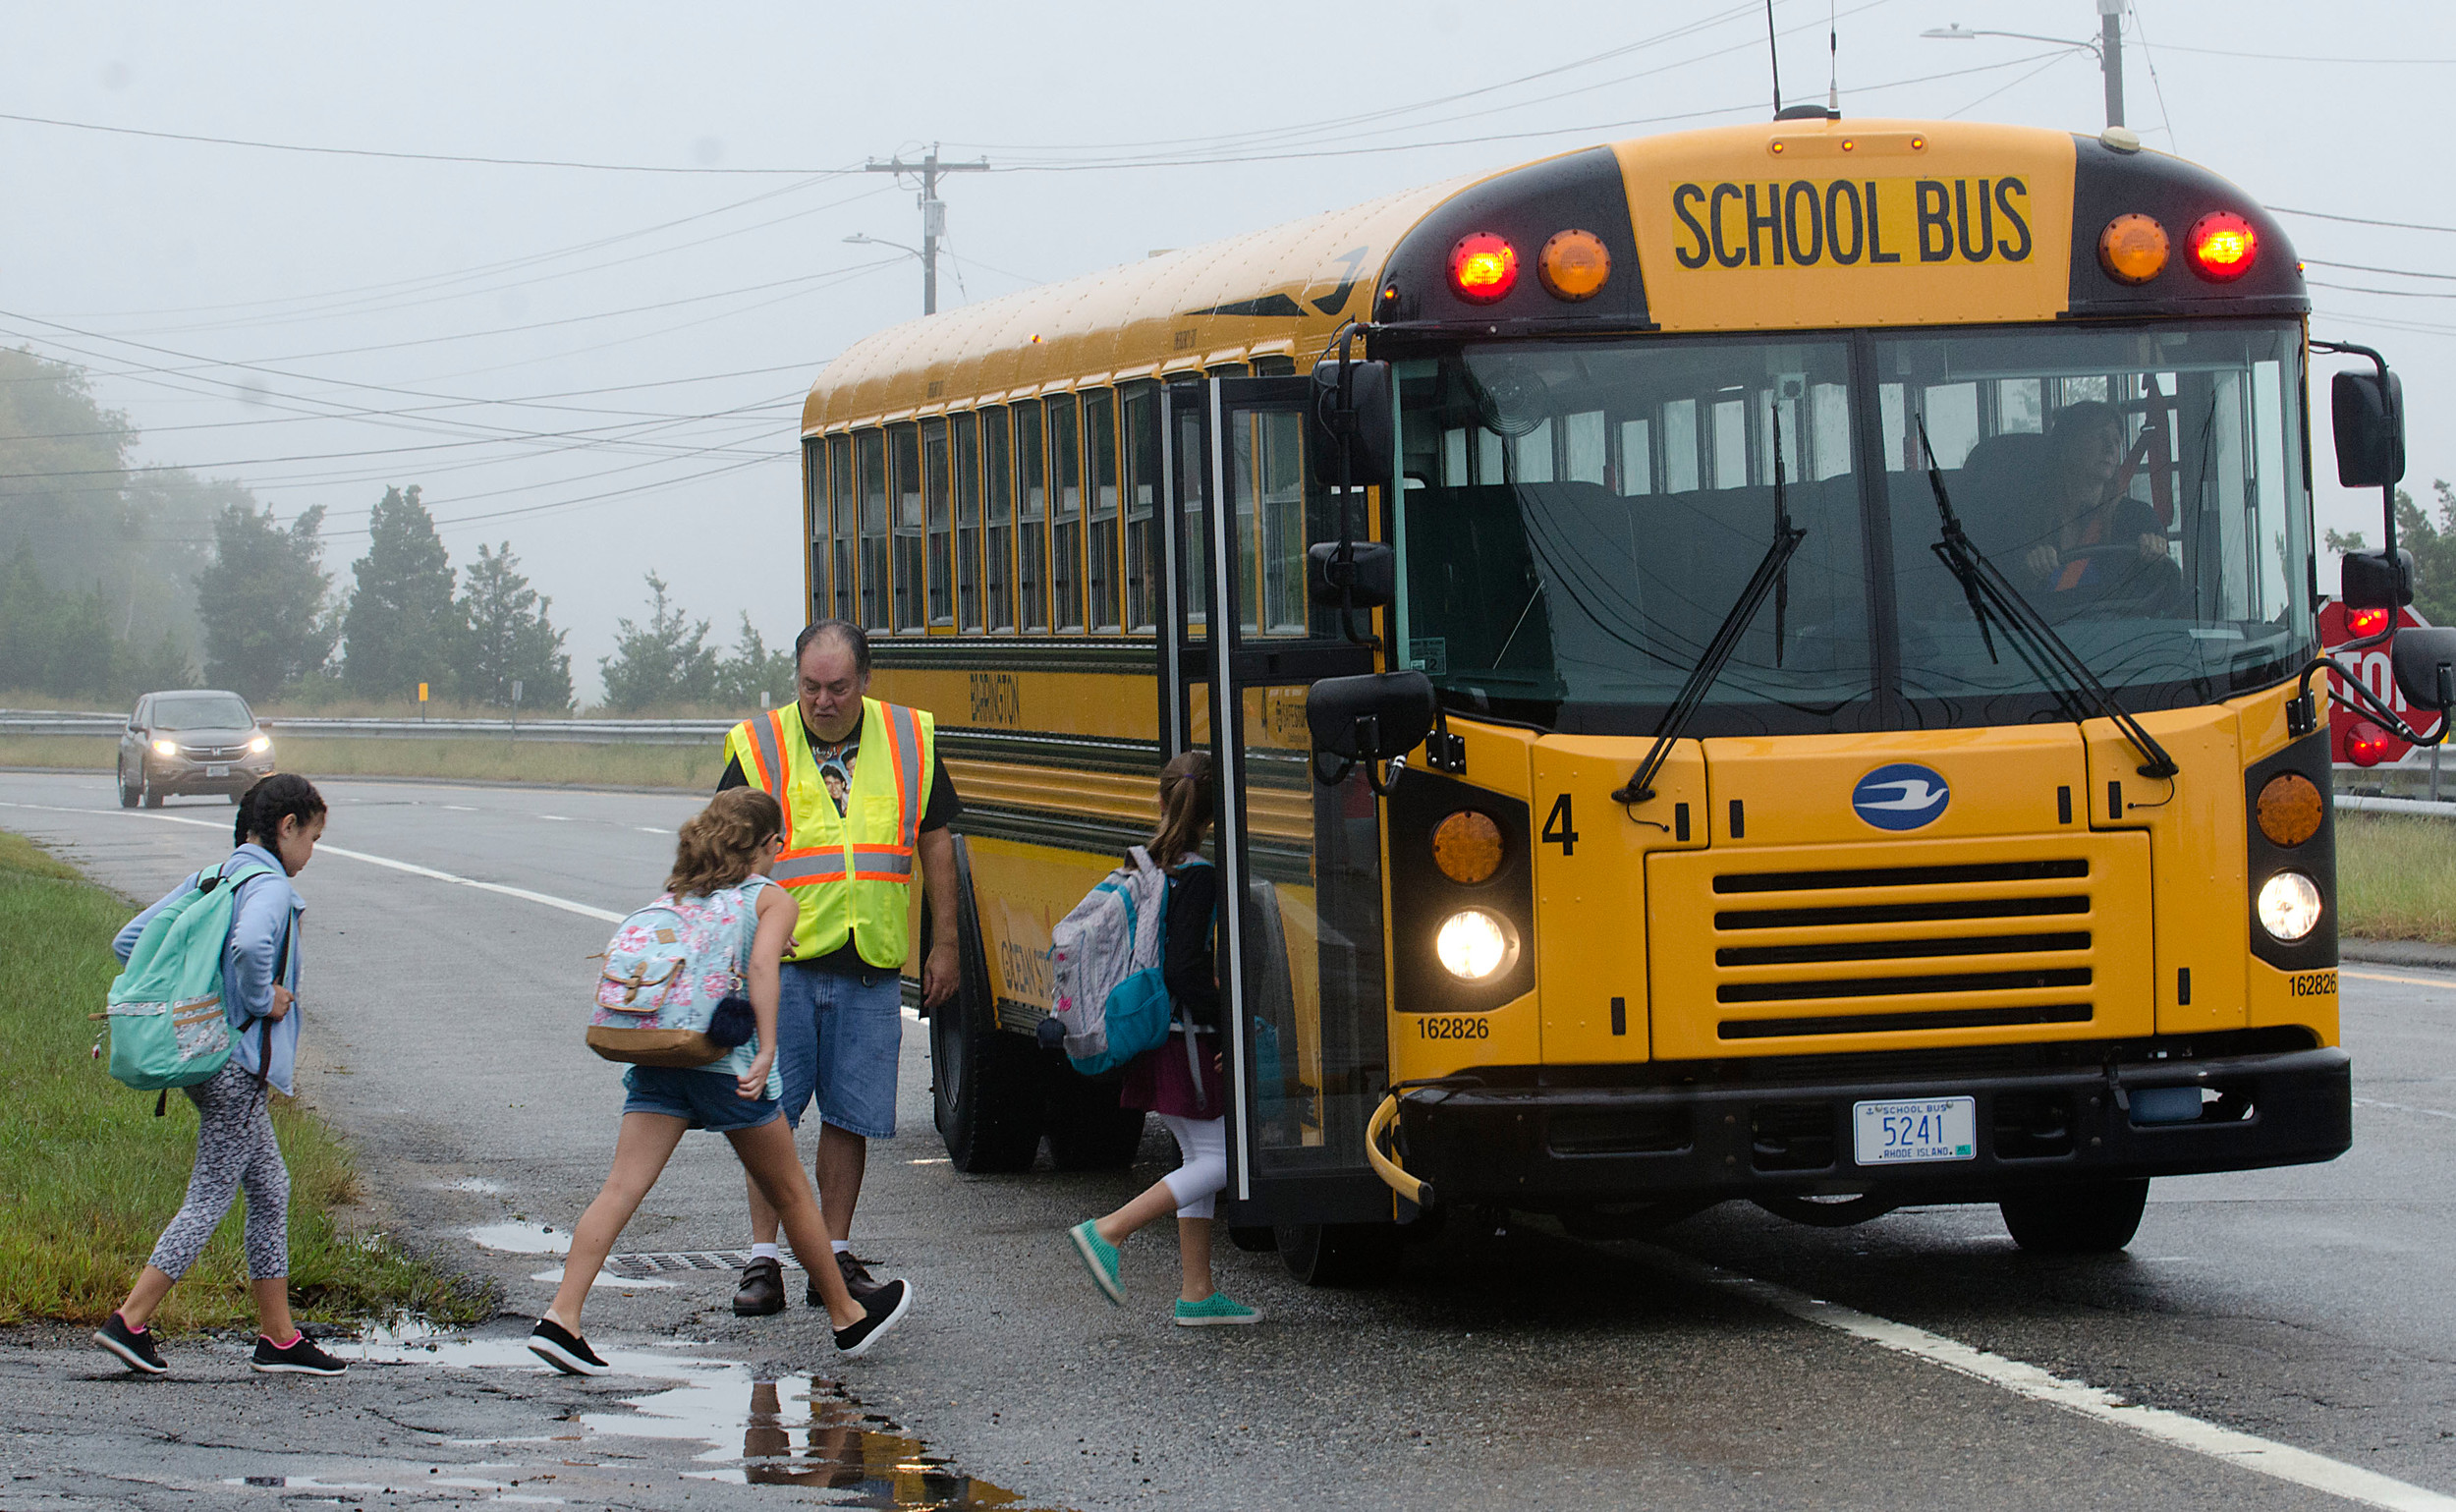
(1158, 1082)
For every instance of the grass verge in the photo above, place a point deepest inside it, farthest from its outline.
(2396, 877)
(563, 761)
(88, 1176)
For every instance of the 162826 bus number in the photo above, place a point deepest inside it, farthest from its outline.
(2313, 984)
(1453, 1028)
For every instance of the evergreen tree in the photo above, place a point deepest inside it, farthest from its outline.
(262, 598)
(401, 627)
(506, 637)
(753, 669)
(666, 661)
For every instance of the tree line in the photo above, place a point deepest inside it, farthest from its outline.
(122, 580)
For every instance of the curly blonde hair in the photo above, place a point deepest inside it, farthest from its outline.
(719, 844)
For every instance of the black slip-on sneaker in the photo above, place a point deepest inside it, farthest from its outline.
(762, 1289)
(885, 1309)
(300, 1356)
(857, 1279)
(563, 1350)
(133, 1346)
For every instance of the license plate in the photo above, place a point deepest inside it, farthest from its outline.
(217, 771)
(1901, 1133)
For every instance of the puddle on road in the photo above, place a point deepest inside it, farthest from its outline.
(521, 1238)
(796, 1430)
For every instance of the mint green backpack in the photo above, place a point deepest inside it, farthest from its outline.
(166, 1020)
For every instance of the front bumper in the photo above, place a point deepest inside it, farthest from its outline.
(1570, 1138)
(184, 774)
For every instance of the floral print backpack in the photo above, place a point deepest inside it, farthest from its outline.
(670, 993)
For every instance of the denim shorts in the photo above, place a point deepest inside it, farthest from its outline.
(839, 1037)
(702, 1100)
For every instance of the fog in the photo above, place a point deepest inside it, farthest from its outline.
(604, 367)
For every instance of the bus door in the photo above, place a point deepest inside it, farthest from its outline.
(1301, 896)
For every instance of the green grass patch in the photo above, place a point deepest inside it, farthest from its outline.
(2396, 877)
(88, 1176)
(66, 752)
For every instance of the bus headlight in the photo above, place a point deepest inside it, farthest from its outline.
(2289, 906)
(1473, 944)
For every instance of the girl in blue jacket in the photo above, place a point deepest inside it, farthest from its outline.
(280, 820)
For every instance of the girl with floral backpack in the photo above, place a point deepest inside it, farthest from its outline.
(730, 926)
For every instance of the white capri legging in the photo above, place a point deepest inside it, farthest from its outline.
(1203, 1146)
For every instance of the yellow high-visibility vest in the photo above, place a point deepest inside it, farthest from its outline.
(852, 873)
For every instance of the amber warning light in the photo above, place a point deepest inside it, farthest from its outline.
(2223, 246)
(1484, 268)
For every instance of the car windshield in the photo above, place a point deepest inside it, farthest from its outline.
(202, 711)
(1580, 517)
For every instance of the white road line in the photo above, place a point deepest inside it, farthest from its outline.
(522, 893)
(556, 819)
(2400, 1107)
(652, 829)
(2260, 1456)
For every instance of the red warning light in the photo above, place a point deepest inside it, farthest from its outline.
(1484, 268)
(2223, 246)
(2366, 744)
(2365, 623)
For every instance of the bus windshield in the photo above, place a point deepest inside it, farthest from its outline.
(1580, 517)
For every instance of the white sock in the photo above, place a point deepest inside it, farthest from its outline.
(844, 1246)
(765, 1252)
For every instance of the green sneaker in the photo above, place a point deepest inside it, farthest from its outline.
(1099, 1256)
(1213, 1310)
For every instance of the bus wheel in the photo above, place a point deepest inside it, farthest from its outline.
(2096, 1217)
(1254, 1238)
(1339, 1254)
(985, 1083)
(1088, 1130)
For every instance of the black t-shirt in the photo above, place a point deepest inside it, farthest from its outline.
(942, 810)
(1186, 962)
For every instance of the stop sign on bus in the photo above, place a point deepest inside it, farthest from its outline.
(2375, 745)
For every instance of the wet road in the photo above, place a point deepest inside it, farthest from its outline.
(2279, 1339)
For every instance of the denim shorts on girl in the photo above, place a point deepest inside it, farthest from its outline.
(702, 1100)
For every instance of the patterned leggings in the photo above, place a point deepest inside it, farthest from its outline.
(235, 1148)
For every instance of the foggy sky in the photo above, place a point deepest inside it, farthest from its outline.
(354, 283)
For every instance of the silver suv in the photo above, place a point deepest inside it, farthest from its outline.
(192, 741)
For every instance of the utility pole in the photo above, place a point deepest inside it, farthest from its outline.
(2111, 56)
(934, 209)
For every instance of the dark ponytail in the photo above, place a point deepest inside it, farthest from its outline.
(282, 796)
(1185, 807)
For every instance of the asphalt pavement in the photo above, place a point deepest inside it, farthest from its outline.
(2278, 1340)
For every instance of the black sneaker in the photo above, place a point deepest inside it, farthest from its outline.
(133, 1346)
(885, 1309)
(762, 1289)
(300, 1356)
(563, 1350)
(857, 1279)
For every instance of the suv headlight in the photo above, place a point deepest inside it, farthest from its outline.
(2289, 906)
(165, 747)
(260, 744)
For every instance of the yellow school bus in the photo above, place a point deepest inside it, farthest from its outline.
(1839, 595)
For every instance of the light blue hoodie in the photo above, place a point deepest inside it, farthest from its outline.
(269, 907)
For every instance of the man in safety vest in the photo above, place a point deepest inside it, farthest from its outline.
(864, 797)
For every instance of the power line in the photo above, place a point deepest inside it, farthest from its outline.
(2357, 220)
(2363, 267)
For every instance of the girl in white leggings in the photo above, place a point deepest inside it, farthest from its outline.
(1188, 1092)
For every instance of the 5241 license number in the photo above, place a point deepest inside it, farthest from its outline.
(1460, 1027)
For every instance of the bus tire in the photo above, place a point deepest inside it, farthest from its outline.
(2096, 1217)
(1339, 1254)
(984, 1083)
(1088, 1130)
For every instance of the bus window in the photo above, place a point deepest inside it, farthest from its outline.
(1031, 493)
(1194, 565)
(815, 519)
(1637, 458)
(1142, 476)
(843, 531)
(904, 453)
(1280, 536)
(1532, 454)
(1581, 439)
(998, 573)
(966, 523)
(872, 450)
(1680, 470)
(934, 487)
(1731, 443)
(1099, 456)
(1066, 513)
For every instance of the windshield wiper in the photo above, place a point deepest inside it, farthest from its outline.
(1992, 597)
(1772, 576)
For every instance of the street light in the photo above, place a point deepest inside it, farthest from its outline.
(2108, 49)
(857, 239)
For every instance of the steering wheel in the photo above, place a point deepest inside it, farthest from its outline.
(2132, 587)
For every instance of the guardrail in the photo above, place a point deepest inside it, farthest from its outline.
(587, 732)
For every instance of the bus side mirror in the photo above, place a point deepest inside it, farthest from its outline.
(2367, 410)
(2370, 579)
(1370, 574)
(1352, 401)
(2425, 658)
(1370, 718)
